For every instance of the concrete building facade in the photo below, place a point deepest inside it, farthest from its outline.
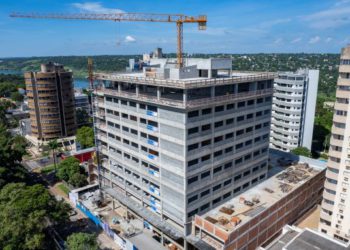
(51, 102)
(176, 142)
(293, 112)
(335, 213)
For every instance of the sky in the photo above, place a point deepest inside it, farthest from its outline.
(234, 26)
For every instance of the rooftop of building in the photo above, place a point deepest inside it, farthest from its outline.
(196, 72)
(241, 209)
(294, 238)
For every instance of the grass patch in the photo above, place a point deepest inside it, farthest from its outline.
(64, 188)
(48, 169)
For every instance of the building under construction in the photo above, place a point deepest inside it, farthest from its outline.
(179, 141)
(257, 216)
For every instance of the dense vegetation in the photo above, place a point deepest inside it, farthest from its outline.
(9, 85)
(70, 171)
(82, 241)
(26, 208)
(85, 137)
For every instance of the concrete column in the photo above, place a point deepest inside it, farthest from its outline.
(137, 90)
(185, 96)
(158, 93)
(119, 87)
(212, 91)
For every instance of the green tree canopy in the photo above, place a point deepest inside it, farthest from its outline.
(82, 241)
(25, 212)
(83, 117)
(11, 148)
(302, 151)
(85, 136)
(16, 96)
(70, 171)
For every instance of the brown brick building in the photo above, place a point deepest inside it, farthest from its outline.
(50, 95)
(259, 214)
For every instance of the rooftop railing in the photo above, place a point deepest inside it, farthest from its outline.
(185, 83)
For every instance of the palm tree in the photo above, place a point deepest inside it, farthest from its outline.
(53, 145)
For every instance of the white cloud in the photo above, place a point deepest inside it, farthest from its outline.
(129, 39)
(314, 39)
(270, 23)
(328, 39)
(330, 18)
(278, 41)
(342, 2)
(296, 40)
(95, 7)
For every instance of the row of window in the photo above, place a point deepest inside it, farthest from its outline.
(221, 198)
(230, 106)
(227, 122)
(131, 104)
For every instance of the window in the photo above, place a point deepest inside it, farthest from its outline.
(250, 102)
(240, 104)
(229, 121)
(228, 165)
(206, 111)
(217, 200)
(225, 196)
(205, 174)
(206, 143)
(206, 127)
(219, 109)
(218, 139)
(228, 150)
(192, 146)
(227, 182)
(217, 187)
(219, 124)
(205, 158)
(193, 162)
(217, 170)
(236, 190)
(206, 192)
(229, 135)
(192, 180)
(237, 177)
(230, 106)
(192, 199)
(193, 130)
(192, 213)
(218, 153)
(205, 206)
(193, 114)
(240, 118)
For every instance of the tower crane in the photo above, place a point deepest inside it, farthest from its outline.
(179, 19)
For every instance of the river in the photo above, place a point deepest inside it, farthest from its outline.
(78, 82)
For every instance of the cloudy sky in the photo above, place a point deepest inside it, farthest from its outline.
(234, 26)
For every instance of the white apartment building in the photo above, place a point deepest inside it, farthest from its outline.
(178, 142)
(335, 213)
(293, 111)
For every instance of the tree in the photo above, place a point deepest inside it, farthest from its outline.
(17, 97)
(78, 180)
(82, 241)
(85, 136)
(70, 171)
(53, 145)
(302, 151)
(83, 117)
(12, 148)
(25, 213)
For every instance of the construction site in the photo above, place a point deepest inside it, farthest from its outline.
(256, 216)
